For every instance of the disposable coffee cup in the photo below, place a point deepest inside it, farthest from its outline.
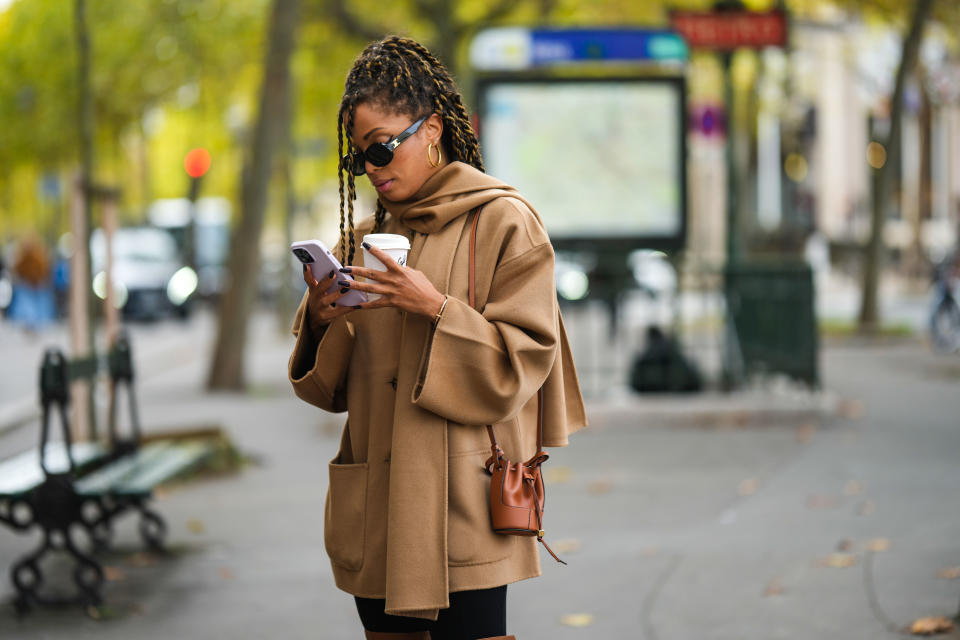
(394, 245)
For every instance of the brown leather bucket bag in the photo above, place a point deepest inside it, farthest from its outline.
(516, 488)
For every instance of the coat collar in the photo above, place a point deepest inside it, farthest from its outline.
(449, 193)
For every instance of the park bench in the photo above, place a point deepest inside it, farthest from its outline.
(65, 488)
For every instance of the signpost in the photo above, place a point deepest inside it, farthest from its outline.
(725, 29)
(731, 29)
(771, 321)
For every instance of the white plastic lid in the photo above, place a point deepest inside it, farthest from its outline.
(387, 241)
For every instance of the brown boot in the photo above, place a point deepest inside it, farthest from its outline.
(404, 635)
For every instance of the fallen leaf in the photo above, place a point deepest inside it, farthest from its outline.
(226, 573)
(577, 620)
(748, 487)
(599, 487)
(821, 502)
(837, 561)
(142, 559)
(846, 545)
(852, 488)
(557, 475)
(196, 526)
(866, 508)
(114, 574)
(161, 494)
(774, 588)
(136, 609)
(567, 545)
(878, 545)
(850, 409)
(805, 432)
(950, 573)
(649, 552)
(931, 626)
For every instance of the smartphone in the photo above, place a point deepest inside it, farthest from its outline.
(321, 261)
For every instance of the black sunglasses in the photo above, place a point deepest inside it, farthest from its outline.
(378, 154)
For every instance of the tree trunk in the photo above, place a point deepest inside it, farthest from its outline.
(869, 301)
(226, 371)
(287, 299)
(444, 47)
(919, 267)
(83, 344)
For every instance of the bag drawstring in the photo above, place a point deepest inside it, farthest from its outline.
(536, 505)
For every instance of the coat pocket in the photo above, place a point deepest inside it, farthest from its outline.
(471, 539)
(344, 524)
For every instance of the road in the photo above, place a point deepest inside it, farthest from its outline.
(681, 518)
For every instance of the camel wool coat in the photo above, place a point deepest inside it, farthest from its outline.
(407, 513)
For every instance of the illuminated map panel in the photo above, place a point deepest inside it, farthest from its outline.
(599, 159)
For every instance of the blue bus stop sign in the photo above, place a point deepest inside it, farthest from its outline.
(516, 49)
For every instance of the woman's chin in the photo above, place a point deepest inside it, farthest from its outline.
(393, 193)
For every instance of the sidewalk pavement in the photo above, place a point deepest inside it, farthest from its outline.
(770, 514)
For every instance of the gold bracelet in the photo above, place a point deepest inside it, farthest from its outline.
(439, 315)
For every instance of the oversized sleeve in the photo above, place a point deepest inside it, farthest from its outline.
(482, 368)
(318, 365)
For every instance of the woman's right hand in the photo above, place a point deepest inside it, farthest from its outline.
(322, 307)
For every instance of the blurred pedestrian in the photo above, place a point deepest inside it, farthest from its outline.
(661, 366)
(944, 319)
(32, 303)
(419, 370)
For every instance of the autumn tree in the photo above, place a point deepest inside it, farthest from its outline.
(271, 129)
(881, 176)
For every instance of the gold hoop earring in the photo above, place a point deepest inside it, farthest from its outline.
(430, 159)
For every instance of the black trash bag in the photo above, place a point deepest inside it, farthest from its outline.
(662, 367)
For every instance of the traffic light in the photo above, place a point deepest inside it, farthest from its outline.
(197, 162)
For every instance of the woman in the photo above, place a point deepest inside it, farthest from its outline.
(418, 370)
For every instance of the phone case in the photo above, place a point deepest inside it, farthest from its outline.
(323, 262)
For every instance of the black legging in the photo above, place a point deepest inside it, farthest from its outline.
(472, 615)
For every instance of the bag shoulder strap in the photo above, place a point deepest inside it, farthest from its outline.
(472, 297)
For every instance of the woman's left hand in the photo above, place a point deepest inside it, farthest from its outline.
(399, 286)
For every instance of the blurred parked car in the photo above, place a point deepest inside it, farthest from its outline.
(211, 236)
(150, 279)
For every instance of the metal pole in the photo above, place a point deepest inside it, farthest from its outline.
(733, 229)
(190, 233)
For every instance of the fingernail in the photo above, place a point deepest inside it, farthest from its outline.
(366, 245)
(331, 274)
(344, 289)
(344, 270)
(343, 283)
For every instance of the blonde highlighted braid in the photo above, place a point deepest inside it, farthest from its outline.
(401, 76)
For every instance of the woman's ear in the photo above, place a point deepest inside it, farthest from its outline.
(433, 128)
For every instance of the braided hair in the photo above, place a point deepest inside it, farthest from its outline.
(401, 75)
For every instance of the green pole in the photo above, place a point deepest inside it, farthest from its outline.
(733, 229)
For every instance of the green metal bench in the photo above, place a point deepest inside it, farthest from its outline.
(85, 486)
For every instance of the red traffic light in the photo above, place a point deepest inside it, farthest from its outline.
(197, 162)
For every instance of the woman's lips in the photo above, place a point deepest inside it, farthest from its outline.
(383, 185)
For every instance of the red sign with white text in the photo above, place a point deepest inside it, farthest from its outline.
(729, 30)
